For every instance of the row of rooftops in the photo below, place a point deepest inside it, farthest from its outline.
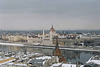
(26, 59)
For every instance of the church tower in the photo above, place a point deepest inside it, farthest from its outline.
(58, 53)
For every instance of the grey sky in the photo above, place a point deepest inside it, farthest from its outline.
(41, 14)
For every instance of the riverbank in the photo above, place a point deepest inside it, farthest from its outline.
(53, 47)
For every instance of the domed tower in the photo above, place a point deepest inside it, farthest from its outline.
(52, 29)
(52, 33)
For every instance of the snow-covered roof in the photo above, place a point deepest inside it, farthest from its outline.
(44, 57)
(19, 64)
(94, 60)
(63, 65)
(7, 62)
(68, 65)
(56, 65)
(10, 63)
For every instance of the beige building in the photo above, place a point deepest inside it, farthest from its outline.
(17, 38)
(4, 37)
(14, 38)
(34, 39)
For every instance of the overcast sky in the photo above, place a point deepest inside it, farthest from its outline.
(41, 14)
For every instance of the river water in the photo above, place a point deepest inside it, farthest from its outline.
(71, 56)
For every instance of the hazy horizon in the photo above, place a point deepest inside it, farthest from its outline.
(41, 14)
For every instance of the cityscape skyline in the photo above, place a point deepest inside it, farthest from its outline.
(41, 14)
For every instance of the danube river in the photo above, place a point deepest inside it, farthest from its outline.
(71, 56)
